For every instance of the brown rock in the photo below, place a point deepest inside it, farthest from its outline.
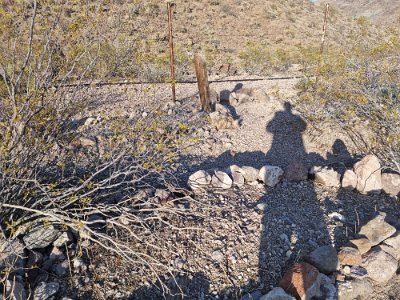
(303, 281)
(362, 244)
(368, 171)
(391, 184)
(349, 256)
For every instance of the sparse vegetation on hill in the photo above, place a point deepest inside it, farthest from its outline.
(359, 88)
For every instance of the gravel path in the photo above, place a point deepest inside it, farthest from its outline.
(268, 229)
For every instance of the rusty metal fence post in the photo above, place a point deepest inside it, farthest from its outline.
(321, 51)
(170, 6)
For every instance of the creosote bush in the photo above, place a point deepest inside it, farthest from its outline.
(359, 89)
(53, 174)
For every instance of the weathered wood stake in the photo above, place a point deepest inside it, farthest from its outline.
(170, 6)
(202, 82)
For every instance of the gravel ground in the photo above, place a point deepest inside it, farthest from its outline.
(257, 233)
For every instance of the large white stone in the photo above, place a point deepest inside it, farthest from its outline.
(270, 175)
(199, 180)
(368, 171)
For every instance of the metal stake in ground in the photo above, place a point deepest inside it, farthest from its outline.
(170, 6)
(321, 51)
(202, 82)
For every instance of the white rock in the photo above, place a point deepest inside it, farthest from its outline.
(250, 174)
(270, 175)
(349, 180)
(199, 180)
(391, 184)
(221, 180)
(368, 171)
(90, 121)
(326, 176)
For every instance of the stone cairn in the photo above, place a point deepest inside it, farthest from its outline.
(326, 273)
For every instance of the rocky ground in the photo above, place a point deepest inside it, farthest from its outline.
(253, 234)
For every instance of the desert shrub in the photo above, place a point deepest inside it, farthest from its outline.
(358, 88)
(256, 58)
(53, 174)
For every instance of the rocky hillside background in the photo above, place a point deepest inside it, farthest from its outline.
(379, 11)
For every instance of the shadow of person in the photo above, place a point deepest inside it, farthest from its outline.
(195, 286)
(287, 145)
(293, 222)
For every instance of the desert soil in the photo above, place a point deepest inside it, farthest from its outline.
(257, 233)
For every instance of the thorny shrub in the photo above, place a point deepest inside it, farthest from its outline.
(52, 173)
(358, 87)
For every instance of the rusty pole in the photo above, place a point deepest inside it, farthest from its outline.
(321, 51)
(170, 5)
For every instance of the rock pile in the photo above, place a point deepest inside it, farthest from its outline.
(235, 176)
(373, 258)
(366, 177)
(41, 251)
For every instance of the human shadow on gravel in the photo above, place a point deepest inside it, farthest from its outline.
(293, 222)
(181, 287)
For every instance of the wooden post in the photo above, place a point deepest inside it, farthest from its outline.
(202, 82)
(170, 5)
(321, 51)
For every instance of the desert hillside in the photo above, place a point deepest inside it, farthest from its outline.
(381, 12)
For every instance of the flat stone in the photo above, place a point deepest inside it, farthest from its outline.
(325, 176)
(270, 175)
(392, 245)
(45, 290)
(377, 230)
(302, 280)
(238, 179)
(199, 180)
(349, 256)
(221, 180)
(380, 265)
(362, 244)
(368, 171)
(65, 238)
(277, 294)
(41, 236)
(391, 184)
(12, 255)
(352, 289)
(349, 180)
(325, 259)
